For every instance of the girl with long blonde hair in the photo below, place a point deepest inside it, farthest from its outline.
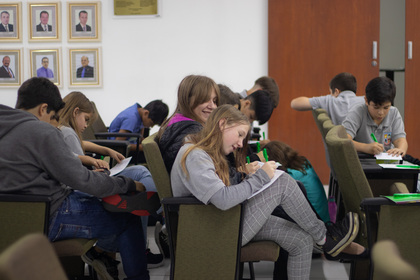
(201, 169)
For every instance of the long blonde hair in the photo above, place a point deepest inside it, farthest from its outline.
(192, 91)
(73, 100)
(210, 139)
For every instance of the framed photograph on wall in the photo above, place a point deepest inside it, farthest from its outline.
(85, 67)
(44, 22)
(11, 68)
(11, 22)
(46, 63)
(83, 21)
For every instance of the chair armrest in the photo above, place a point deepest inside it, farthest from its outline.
(118, 134)
(25, 198)
(110, 143)
(374, 204)
(181, 200)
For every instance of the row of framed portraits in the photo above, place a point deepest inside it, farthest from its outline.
(45, 18)
(84, 66)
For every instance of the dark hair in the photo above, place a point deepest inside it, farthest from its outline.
(269, 85)
(284, 154)
(380, 90)
(5, 12)
(42, 60)
(344, 81)
(82, 12)
(227, 96)
(262, 104)
(43, 12)
(36, 91)
(158, 111)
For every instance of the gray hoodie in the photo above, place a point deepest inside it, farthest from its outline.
(34, 159)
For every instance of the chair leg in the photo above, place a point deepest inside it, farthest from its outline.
(251, 271)
(241, 271)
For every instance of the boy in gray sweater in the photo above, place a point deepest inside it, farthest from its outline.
(34, 159)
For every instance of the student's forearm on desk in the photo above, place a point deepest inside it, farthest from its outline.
(401, 145)
(371, 148)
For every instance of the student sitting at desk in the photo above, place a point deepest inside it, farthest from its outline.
(379, 118)
(341, 99)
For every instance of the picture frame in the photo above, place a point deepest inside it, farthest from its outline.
(10, 22)
(46, 63)
(44, 22)
(84, 21)
(14, 63)
(89, 60)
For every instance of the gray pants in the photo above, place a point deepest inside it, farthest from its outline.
(298, 238)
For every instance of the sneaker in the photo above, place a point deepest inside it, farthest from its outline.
(161, 240)
(105, 266)
(138, 203)
(341, 234)
(343, 256)
(153, 260)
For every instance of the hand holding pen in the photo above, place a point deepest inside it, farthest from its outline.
(375, 148)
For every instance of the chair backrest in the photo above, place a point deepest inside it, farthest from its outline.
(157, 167)
(348, 171)
(315, 114)
(96, 127)
(21, 215)
(350, 175)
(322, 118)
(31, 257)
(389, 265)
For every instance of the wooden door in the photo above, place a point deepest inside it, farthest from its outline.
(412, 74)
(309, 42)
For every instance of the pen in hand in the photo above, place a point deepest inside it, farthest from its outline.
(265, 155)
(373, 137)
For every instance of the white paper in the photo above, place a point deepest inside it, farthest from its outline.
(119, 166)
(386, 156)
(277, 174)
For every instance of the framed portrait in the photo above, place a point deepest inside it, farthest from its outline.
(11, 22)
(44, 22)
(11, 68)
(85, 67)
(46, 63)
(84, 21)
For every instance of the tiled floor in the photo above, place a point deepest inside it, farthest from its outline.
(321, 268)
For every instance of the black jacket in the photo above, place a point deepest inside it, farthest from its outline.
(173, 139)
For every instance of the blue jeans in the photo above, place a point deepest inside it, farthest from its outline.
(83, 216)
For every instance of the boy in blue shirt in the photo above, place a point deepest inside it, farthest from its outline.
(135, 119)
(379, 117)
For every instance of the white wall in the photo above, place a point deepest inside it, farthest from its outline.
(145, 58)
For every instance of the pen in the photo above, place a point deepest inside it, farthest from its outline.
(373, 137)
(258, 147)
(248, 160)
(265, 154)
(408, 166)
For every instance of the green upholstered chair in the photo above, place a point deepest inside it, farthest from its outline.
(24, 214)
(204, 241)
(379, 219)
(389, 265)
(31, 257)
